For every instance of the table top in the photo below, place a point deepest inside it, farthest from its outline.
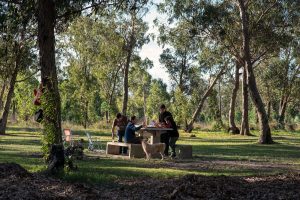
(156, 129)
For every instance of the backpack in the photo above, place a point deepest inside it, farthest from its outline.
(38, 115)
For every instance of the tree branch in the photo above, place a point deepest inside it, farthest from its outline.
(265, 12)
(94, 5)
(17, 81)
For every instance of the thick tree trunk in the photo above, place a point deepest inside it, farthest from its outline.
(245, 130)
(50, 98)
(232, 127)
(189, 126)
(265, 135)
(1, 96)
(9, 95)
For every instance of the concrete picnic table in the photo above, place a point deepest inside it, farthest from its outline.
(153, 132)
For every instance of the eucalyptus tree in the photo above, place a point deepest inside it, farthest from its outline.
(282, 77)
(232, 126)
(139, 87)
(180, 57)
(17, 43)
(23, 96)
(93, 68)
(158, 94)
(53, 14)
(133, 30)
(249, 30)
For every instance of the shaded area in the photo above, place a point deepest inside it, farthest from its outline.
(17, 183)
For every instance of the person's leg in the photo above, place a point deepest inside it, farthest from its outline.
(164, 138)
(120, 139)
(135, 140)
(173, 145)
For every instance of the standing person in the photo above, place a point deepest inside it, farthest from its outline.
(174, 135)
(130, 136)
(164, 137)
(120, 122)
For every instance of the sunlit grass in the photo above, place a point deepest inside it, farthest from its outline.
(23, 146)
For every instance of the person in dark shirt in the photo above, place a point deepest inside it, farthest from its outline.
(130, 136)
(174, 134)
(163, 114)
(121, 122)
(164, 137)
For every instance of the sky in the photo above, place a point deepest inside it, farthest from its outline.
(152, 50)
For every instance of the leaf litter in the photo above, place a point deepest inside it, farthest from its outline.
(18, 183)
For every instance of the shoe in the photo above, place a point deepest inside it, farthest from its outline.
(173, 155)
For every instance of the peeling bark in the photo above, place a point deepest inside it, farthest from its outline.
(265, 131)
(245, 130)
(232, 126)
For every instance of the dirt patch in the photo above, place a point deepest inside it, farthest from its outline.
(17, 183)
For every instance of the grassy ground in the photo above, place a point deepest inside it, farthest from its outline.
(215, 153)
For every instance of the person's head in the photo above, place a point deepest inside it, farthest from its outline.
(119, 116)
(162, 108)
(133, 119)
(168, 119)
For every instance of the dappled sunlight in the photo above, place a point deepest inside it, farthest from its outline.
(213, 154)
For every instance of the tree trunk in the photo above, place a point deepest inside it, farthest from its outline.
(281, 117)
(220, 105)
(145, 103)
(232, 127)
(189, 127)
(125, 83)
(245, 130)
(265, 135)
(9, 95)
(106, 117)
(269, 109)
(14, 114)
(1, 96)
(256, 117)
(50, 98)
(86, 114)
(129, 47)
(111, 93)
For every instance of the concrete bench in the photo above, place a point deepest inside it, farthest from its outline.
(184, 151)
(134, 150)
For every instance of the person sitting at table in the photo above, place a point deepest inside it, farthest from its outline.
(121, 122)
(170, 123)
(164, 137)
(130, 130)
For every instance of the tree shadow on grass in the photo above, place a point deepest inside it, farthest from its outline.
(278, 151)
(23, 129)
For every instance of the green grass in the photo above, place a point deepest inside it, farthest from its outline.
(23, 146)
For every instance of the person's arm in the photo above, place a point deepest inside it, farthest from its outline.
(138, 127)
(168, 125)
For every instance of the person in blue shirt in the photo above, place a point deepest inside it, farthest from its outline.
(130, 130)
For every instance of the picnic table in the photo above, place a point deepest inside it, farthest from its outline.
(153, 133)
